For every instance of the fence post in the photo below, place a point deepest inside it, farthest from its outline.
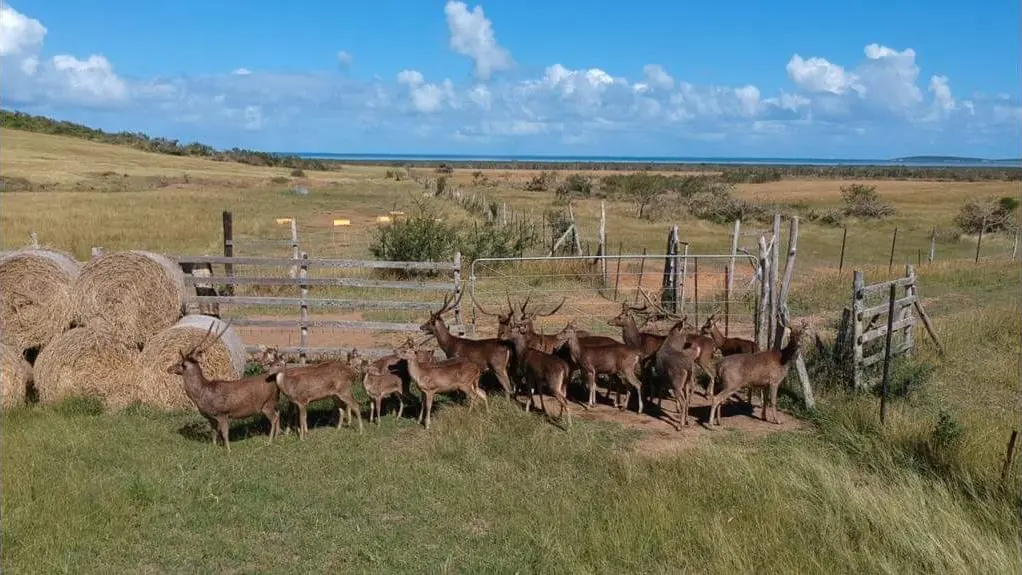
(735, 235)
(667, 296)
(303, 273)
(858, 301)
(762, 325)
(894, 240)
(775, 259)
(933, 245)
(642, 270)
(1009, 455)
(887, 352)
(844, 239)
(680, 275)
(909, 334)
(979, 242)
(602, 250)
(457, 290)
(617, 273)
(789, 271)
(695, 272)
(228, 219)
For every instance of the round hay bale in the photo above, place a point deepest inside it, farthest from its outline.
(224, 359)
(35, 296)
(15, 373)
(88, 361)
(133, 293)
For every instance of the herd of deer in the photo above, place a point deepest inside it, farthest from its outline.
(538, 362)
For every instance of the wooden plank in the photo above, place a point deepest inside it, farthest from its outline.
(330, 324)
(318, 263)
(858, 295)
(884, 286)
(881, 331)
(325, 351)
(319, 282)
(882, 308)
(313, 302)
(879, 356)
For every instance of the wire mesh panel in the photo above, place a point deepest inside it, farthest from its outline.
(593, 289)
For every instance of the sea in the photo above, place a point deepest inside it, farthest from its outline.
(921, 161)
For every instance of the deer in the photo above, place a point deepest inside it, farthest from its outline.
(705, 343)
(675, 360)
(489, 354)
(305, 384)
(763, 370)
(381, 381)
(541, 369)
(613, 359)
(454, 374)
(726, 345)
(220, 400)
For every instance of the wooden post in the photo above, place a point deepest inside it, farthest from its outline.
(303, 273)
(735, 235)
(929, 326)
(642, 270)
(1009, 455)
(858, 302)
(887, 353)
(782, 296)
(457, 288)
(617, 274)
(844, 239)
(228, 219)
(762, 324)
(1014, 247)
(894, 240)
(919, 257)
(603, 245)
(979, 242)
(908, 333)
(680, 275)
(695, 272)
(933, 245)
(667, 293)
(775, 264)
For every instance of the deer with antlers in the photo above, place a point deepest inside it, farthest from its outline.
(726, 345)
(704, 343)
(455, 374)
(305, 384)
(219, 400)
(611, 359)
(764, 370)
(490, 354)
(541, 370)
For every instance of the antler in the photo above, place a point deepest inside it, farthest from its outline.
(479, 307)
(203, 345)
(553, 311)
(659, 310)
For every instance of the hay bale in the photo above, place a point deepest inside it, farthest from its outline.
(35, 296)
(15, 373)
(88, 361)
(133, 293)
(224, 359)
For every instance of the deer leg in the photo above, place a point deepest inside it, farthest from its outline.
(270, 411)
(773, 403)
(378, 406)
(590, 378)
(400, 406)
(501, 372)
(428, 407)
(224, 429)
(482, 395)
(214, 426)
(302, 421)
(351, 406)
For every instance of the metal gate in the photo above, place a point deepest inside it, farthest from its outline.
(594, 288)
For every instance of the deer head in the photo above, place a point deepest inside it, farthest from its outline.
(504, 321)
(194, 354)
(567, 333)
(708, 326)
(432, 325)
(527, 316)
(627, 314)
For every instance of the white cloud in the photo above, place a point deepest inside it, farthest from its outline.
(241, 72)
(656, 77)
(748, 98)
(344, 58)
(426, 97)
(472, 35)
(92, 78)
(19, 33)
(942, 97)
(410, 77)
(889, 76)
(819, 75)
(253, 118)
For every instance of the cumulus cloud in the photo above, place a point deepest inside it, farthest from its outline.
(472, 35)
(345, 59)
(558, 109)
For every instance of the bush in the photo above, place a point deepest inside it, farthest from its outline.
(542, 182)
(492, 241)
(576, 186)
(989, 215)
(444, 169)
(720, 207)
(441, 185)
(297, 173)
(423, 236)
(947, 236)
(864, 202)
(832, 217)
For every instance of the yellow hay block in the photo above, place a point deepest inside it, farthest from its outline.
(283, 220)
(383, 219)
(342, 222)
(397, 213)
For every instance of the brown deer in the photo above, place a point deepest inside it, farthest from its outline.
(489, 354)
(504, 321)
(612, 359)
(219, 400)
(705, 343)
(675, 361)
(541, 370)
(455, 374)
(726, 345)
(388, 376)
(763, 370)
(305, 384)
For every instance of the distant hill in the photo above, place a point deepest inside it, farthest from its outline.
(953, 160)
(43, 125)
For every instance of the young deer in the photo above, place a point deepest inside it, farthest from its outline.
(541, 370)
(455, 374)
(617, 359)
(489, 354)
(675, 361)
(726, 345)
(219, 401)
(305, 384)
(388, 376)
(764, 370)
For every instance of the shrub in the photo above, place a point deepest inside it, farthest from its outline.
(492, 241)
(947, 236)
(541, 182)
(423, 236)
(720, 207)
(989, 215)
(279, 180)
(441, 185)
(558, 221)
(444, 169)
(864, 202)
(297, 173)
(576, 186)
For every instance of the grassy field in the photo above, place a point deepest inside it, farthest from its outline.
(141, 491)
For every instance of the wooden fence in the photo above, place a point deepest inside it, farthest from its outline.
(303, 304)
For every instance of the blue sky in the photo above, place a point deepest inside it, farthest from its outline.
(788, 78)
